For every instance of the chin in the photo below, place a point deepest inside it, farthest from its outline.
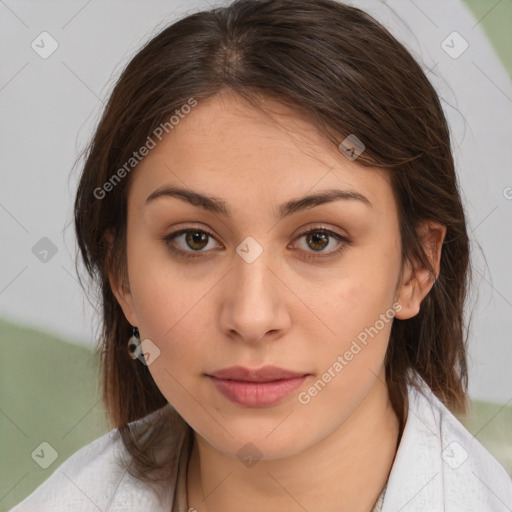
(252, 443)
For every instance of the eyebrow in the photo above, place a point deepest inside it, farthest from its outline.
(216, 205)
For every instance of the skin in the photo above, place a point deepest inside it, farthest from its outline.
(215, 311)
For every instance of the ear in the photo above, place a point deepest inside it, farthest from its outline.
(120, 286)
(417, 280)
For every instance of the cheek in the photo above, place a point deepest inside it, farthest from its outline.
(162, 294)
(170, 306)
(357, 307)
(348, 362)
(361, 318)
(171, 322)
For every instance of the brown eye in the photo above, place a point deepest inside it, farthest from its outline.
(188, 243)
(196, 240)
(193, 243)
(317, 240)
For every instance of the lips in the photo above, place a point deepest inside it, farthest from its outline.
(265, 374)
(256, 387)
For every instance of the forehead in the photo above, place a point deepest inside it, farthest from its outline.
(226, 146)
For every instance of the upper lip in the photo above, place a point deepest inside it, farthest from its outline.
(264, 374)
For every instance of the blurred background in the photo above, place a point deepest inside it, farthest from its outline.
(59, 60)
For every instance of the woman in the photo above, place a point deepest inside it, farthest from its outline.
(270, 209)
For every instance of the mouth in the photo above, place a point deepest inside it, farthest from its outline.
(262, 387)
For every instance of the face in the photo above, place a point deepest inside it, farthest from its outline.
(247, 281)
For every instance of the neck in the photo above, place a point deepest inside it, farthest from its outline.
(346, 471)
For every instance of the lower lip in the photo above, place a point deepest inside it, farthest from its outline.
(257, 394)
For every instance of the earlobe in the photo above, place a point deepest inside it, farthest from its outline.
(412, 291)
(417, 280)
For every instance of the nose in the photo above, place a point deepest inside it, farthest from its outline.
(253, 303)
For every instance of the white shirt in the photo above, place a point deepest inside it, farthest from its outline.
(439, 467)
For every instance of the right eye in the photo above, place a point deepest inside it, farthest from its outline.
(193, 241)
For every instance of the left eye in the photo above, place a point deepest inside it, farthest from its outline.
(317, 239)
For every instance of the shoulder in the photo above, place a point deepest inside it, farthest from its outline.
(94, 478)
(471, 473)
(81, 482)
(440, 465)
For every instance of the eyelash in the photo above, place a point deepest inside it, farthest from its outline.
(167, 240)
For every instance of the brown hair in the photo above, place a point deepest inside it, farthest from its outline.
(339, 67)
